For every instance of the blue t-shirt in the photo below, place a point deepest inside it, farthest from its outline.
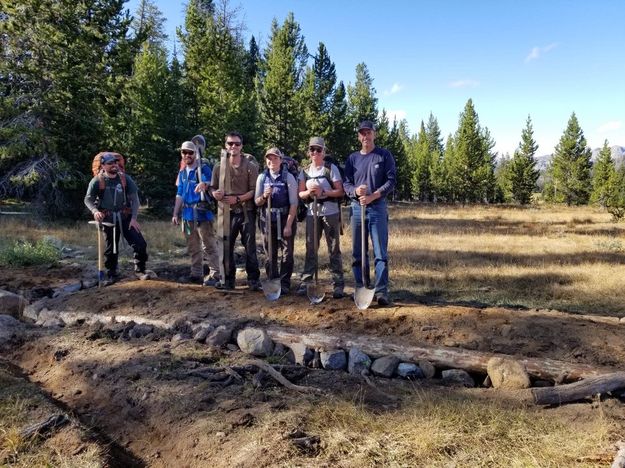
(187, 181)
(376, 170)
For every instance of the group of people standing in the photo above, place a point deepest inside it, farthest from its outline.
(369, 177)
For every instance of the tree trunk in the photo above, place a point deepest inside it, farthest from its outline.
(578, 390)
(449, 358)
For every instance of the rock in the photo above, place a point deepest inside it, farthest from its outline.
(385, 366)
(180, 337)
(10, 329)
(89, 283)
(12, 304)
(458, 376)
(201, 332)
(409, 370)
(53, 322)
(333, 360)
(74, 318)
(141, 329)
(507, 373)
(427, 368)
(358, 361)
(68, 289)
(255, 341)
(219, 337)
(506, 330)
(31, 311)
(302, 355)
(280, 350)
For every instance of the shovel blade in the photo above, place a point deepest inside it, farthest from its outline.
(272, 289)
(315, 293)
(363, 297)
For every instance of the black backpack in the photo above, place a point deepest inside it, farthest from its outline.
(291, 166)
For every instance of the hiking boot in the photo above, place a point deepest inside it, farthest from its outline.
(254, 285)
(383, 300)
(223, 286)
(338, 292)
(302, 290)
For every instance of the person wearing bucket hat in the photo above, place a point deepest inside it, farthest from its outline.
(277, 183)
(323, 181)
(370, 176)
(113, 198)
(197, 216)
(243, 173)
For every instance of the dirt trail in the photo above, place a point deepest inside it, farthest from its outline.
(139, 391)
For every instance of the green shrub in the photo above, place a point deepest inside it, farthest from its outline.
(22, 253)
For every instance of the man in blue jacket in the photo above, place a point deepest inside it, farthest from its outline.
(370, 177)
(197, 215)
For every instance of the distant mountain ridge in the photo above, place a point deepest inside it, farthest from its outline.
(618, 155)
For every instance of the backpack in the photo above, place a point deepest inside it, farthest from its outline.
(97, 170)
(327, 174)
(290, 165)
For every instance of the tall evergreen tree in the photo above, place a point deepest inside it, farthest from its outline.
(363, 105)
(281, 100)
(603, 175)
(340, 137)
(570, 167)
(522, 173)
(148, 24)
(473, 162)
(421, 167)
(215, 60)
(58, 62)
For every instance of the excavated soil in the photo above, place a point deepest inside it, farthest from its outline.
(140, 392)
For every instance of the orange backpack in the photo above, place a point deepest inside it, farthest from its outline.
(96, 168)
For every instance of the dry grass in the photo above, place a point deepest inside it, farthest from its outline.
(566, 258)
(20, 406)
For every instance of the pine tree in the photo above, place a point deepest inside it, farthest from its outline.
(215, 60)
(281, 100)
(58, 62)
(522, 174)
(363, 105)
(570, 167)
(421, 167)
(603, 175)
(341, 132)
(473, 163)
(148, 24)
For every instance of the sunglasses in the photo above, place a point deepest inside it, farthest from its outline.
(187, 152)
(233, 143)
(109, 163)
(315, 149)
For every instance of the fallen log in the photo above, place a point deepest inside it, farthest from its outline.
(579, 390)
(447, 358)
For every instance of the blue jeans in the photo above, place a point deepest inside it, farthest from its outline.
(376, 228)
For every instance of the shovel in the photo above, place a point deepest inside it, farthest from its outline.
(363, 295)
(313, 291)
(100, 250)
(271, 287)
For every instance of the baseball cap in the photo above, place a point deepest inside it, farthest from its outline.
(366, 125)
(317, 141)
(108, 158)
(274, 151)
(189, 146)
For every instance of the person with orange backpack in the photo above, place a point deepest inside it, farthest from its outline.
(112, 197)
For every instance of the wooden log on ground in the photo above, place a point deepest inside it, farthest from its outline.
(579, 390)
(447, 358)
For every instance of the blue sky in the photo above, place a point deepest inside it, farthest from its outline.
(545, 59)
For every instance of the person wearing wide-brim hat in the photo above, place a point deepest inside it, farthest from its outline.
(277, 183)
(370, 176)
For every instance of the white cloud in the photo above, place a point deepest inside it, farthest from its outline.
(610, 126)
(396, 88)
(536, 52)
(396, 114)
(464, 84)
